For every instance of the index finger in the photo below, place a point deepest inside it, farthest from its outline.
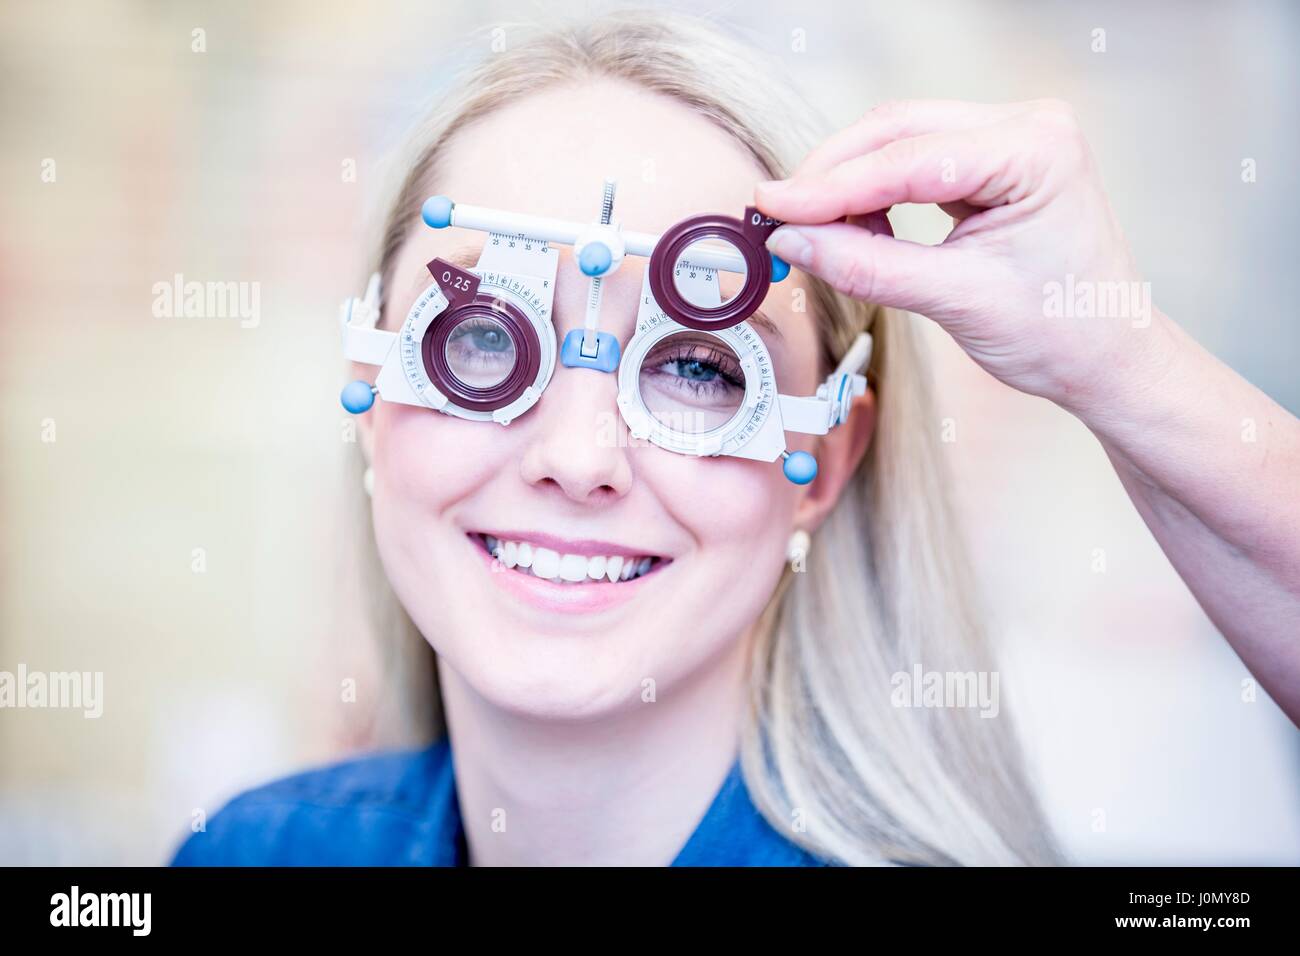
(933, 168)
(901, 119)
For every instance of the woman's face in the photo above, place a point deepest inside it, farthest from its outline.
(715, 529)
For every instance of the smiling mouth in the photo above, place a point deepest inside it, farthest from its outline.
(524, 557)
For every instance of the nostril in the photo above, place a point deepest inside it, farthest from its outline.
(586, 468)
(584, 493)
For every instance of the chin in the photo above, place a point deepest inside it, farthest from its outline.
(532, 675)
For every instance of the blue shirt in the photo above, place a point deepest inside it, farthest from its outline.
(400, 809)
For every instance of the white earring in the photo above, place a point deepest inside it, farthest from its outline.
(798, 545)
(368, 481)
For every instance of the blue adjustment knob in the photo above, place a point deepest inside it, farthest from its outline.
(595, 259)
(358, 396)
(780, 268)
(436, 211)
(800, 467)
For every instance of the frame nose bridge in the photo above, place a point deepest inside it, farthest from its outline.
(595, 316)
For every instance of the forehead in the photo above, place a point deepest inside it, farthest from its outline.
(549, 154)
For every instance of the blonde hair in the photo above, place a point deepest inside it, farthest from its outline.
(828, 758)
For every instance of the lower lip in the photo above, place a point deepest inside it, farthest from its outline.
(590, 598)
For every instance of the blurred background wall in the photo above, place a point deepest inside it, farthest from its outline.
(174, 491)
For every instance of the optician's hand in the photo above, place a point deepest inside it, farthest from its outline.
(1033, 230)
(1036, 283)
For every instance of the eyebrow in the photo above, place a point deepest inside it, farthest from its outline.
(766, 324)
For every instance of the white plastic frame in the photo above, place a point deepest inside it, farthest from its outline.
(402, 377)
(519, 264)
(757, 430)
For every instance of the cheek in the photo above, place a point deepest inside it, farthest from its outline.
(424, 460)
(424, 464)
(740, 514)
(733, 500)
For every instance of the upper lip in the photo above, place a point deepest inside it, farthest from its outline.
(587, 547)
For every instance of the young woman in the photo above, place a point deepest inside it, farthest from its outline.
(720, 707)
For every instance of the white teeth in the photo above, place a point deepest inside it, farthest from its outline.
(573, 567)
(566, 568)
(546, 563)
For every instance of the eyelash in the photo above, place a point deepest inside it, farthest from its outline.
(713, 359)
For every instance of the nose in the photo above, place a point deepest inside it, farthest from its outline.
(577, 441)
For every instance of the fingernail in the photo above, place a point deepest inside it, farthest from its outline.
(791, 245)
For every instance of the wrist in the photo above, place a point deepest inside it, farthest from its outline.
(1136, 384)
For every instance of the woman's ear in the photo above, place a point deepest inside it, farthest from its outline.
(838, 455)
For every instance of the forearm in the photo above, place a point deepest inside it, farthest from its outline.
(1213, 466)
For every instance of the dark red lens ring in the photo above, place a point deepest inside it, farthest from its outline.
(528, 354)
(747, 241)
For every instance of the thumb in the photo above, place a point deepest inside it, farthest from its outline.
(875, 267)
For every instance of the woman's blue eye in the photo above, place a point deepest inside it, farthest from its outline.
(695, 370)
(490, 340)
